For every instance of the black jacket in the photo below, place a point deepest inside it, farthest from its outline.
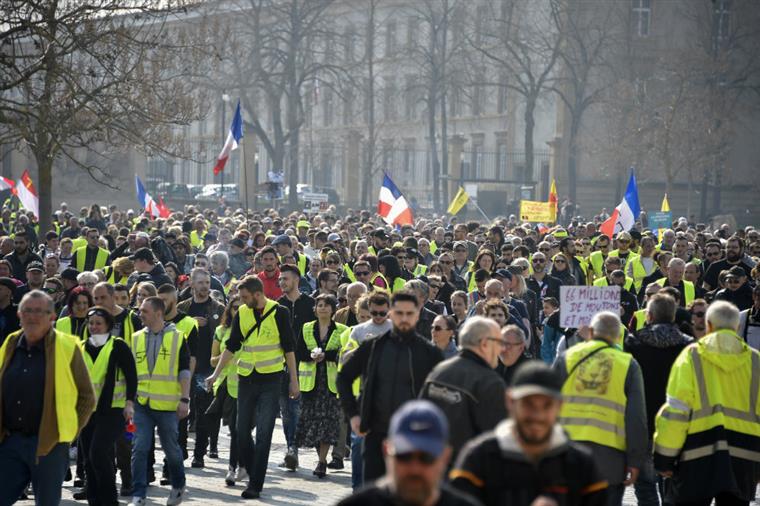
(549, 283)
(18, 266)
(493, 469)
(425, 323)
(741, 297)
(470, 393)
(422, 356)
(655, 348)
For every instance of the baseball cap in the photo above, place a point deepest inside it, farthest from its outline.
(238, 242)
(380, 233)
(9, 284)
(70, 274)
(303, 224)
(460, 244)
(334, 237)
(282, 239)
(737, 272)
(502, 273)
(419, 426)
(535, 378)
(143, 254)
(34, 266)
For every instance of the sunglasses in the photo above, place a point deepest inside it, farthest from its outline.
(544, 250)
(379, 313)
(401, 258)
(362, 273)
(332, 262)
(436, 328)
(699, 314)
(538, 261)
(421, 457)
(446, 262)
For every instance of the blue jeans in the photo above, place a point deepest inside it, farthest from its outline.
(258, 403)
(19, 466)
(146, 420)
(356, 461)
(646, 486)
(290, 411)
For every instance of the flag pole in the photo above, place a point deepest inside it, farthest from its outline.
(245, 173)
(479, 209)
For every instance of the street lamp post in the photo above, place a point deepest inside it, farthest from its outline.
(225, 99)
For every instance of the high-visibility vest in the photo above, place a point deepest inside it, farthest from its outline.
(79, 242)
(641, 318)
(604, 282)
(230, 370)
(160, 389)
(596, 259)
(110, 273)
(100, 260)
(398, 284)
(66, 392)
(347, 347)
(66, 326)
(637, 270)
(301, 264)
(349, 272)
(616, 253)
(186, 325)
(688, 290)
(433, 247)
(594, 400)
(98, 370)
(420, 270)
(379, 275)
(128, 329)
(307, 371)
(227, 286)
(261, 351)
(711, 411)
(195, 240)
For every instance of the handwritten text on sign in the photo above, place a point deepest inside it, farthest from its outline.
(578, 304)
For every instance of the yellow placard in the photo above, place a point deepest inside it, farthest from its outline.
(535, 211)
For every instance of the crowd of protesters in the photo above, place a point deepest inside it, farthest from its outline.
(430, 356)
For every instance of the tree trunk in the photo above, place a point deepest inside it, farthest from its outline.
(530, 125)
(369, 158)
(445, 147)
(293, 172)
(434, 164)
(45, 192)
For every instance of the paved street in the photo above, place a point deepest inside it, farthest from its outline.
(206, 486)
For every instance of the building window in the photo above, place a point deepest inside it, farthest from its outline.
(408, 156)
(349, 44)
(410, 99)
(455, 102)
(476, 162)
(389, 100)
(328, 108)
(478, 98)
(501, 162)
(412, 25)
(642, 17)
(390, 39)
(348, 108)
(721, 23)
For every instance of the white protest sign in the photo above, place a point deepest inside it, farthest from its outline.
(578, 304)
(315, 202)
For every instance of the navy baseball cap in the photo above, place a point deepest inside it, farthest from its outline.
(419, 426)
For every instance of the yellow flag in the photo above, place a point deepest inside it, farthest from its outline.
(459, 201)
(665, 205)
(553, 200)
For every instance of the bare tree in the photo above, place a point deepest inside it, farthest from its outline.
(90, 77)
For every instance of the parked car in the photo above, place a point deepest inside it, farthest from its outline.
(214, 191)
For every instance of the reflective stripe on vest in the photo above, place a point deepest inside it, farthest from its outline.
(594, 399)
(307, 371)
(66, 326)
(98, 370)
(604, 282)
(349, 273)
(160, 389)
(100, 259)
(710, 412)
(261, 351)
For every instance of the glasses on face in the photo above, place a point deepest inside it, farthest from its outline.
(421, 457)
(732, 281)
(623, 241)
(446, 262)
(538, 261)
(34, 311)
(361, 273)
(437, 328)
(544, 250)
(559, 261)
(332, 262)
(713, 254)
(401, 258)
(501, 342)
(379, 313)
(699, 314)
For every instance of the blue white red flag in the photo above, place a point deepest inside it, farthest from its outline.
(145, 200)
(392, 205)
(232, 142)
(625, 214)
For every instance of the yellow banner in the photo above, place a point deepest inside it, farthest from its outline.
(459, 201)
(535, 211)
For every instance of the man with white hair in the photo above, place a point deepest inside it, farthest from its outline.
(466, 387)
(603, 408)
(674, 278)
(709, 423)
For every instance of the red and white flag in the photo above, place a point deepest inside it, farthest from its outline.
(7, 184)
(232, 142)
(392, 205)
(27, 194)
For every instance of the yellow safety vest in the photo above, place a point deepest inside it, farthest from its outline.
(420, 270)
(261, 351)
(398, 284)
(128, 328)
(302, 264)
(631, 255)
(100, 260)
(186, 325)
(195, 240)
(98, 370)
(688, 290)
(603, 282)
(160, 389)
(710, 409)
(594, 399)
(229, 372)
(379, 275)
(66, 326)
(433, 247)
(79, 242)
(638, 271)
(596, 259)
(349, 273)
(307, 371)
(347, 347)
(66, 392)
(110, 273)
(641, 318)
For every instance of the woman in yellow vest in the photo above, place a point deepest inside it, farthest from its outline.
(317, 353)
(485, 260)
(119, 270)
(390, 268)
(75, 324)
(226, 388)
(114, 376)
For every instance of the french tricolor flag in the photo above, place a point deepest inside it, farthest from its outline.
(232, 142)
(625, 214)
(392, 205)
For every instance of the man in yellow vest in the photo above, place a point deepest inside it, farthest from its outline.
(601, 246)
(674, 278)
(162, 358)
(47, 398)
(603, 406)
(642, 265)
(262, 330)
(92, 256)
(284, 246)
(706, 439)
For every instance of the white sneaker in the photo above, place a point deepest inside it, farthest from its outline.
(242, 475)
(175, 496)
(230, 478)
(137, 501)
